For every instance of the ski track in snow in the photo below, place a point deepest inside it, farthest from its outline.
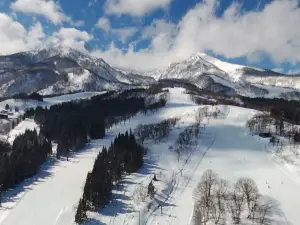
(225, 146)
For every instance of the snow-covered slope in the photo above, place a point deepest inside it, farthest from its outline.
(225, 146)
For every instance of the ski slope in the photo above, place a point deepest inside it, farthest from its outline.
(225, 146)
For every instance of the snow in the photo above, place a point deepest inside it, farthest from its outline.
(225, 66)
(78, 80)
(27, 124)
(224, 146)
(274, 92)
(224, 82)
(234, 70)
(26, 104)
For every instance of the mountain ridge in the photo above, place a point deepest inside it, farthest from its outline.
(60, 70)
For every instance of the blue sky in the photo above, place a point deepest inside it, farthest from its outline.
(150, 34)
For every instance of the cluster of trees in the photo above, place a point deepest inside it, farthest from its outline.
(270, 125)
(23, 159)
(199, 100)
(23, 96)
(155, 132)
(188, 137)
(72, 124)
(157, 105)
(262, 123)
(185, 140)
(32, 96)
(215, 201)
(124, 155)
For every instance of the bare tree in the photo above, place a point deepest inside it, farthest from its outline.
(201, 213)
(235, 205)
(205, 188)
(264, 212)
(199, 117)
(140, 195)
(220, 195)
(249, 189)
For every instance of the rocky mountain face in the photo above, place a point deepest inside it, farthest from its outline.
(61, 70)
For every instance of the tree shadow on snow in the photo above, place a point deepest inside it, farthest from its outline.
(275, 216)
(94, 222)
(14, 194)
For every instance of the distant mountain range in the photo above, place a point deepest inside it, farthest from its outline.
(62, 70)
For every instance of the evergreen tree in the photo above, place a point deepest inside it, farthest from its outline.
(80, 215)
(151, 190)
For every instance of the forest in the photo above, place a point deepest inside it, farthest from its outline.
(71, 125)
(23, 159)
(124, 155)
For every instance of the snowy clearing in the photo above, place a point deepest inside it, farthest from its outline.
(224, 146)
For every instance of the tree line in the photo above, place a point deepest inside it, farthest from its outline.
(124, 155)
(155, 132)
(72, 124)
(23, 159)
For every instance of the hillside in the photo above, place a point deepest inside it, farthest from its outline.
(224, 145)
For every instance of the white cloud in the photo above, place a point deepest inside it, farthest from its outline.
(74, 34)
(78, 23)
(134, 7)
(104, 24)
(47, 8)
(122, 33)
(252, 34)
(14, 37)
(70, 37)
(294, 71)
(125, 33)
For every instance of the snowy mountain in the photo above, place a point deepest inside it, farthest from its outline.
(60, 70)
(215, 75)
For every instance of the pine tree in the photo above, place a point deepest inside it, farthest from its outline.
(151, 190)
(80, 215)
(1, 190)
